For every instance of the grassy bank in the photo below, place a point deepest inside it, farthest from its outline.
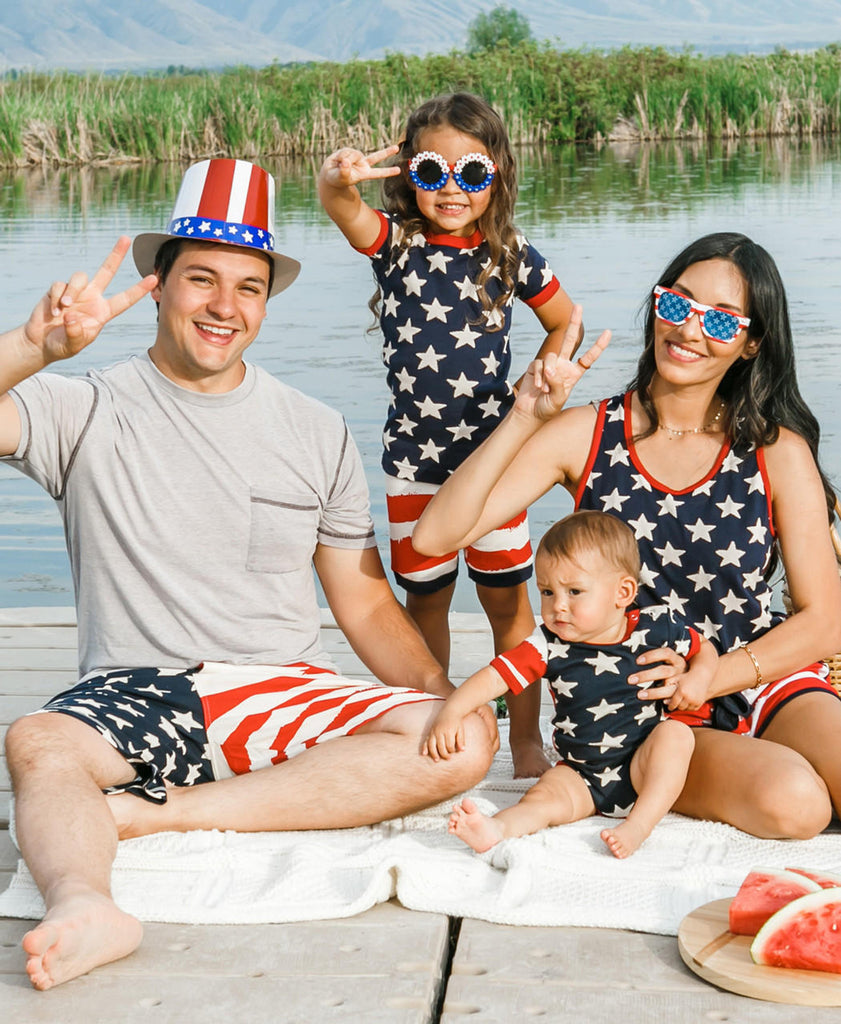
(546, 95)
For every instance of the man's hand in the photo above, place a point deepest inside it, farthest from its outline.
(548, 383)
(348, 167)
(72, 313)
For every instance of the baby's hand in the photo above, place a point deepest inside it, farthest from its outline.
(348, 167)
(690, 691)
(445, 737)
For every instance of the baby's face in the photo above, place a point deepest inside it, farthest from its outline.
(583, 600)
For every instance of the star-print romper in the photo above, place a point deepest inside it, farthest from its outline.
(704, 549)
(448, 376)
(599, 720)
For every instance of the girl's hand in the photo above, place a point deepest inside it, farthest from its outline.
(348, 167)
(445, 737)
(548, 382)
(70, 316)
(666, 666)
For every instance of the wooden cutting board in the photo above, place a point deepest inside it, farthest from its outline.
(709, 948)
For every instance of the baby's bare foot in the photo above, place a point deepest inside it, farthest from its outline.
(474, 828)
(625, 839)
(77, 935)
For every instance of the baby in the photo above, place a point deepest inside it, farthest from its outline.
(620, 756)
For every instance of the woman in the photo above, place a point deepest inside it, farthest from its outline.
(711, 458)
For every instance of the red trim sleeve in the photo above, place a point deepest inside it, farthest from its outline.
(695, 644)
(381, 237)
(545, 295)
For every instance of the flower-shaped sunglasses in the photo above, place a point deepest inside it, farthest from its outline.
(472, 172)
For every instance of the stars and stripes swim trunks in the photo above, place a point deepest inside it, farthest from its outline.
(180, 728)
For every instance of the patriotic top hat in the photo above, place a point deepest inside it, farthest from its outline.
(229, 201)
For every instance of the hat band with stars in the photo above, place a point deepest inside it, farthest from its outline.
(223, 231)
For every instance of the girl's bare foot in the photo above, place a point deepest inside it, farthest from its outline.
(625, 839)
(83, 932)
(474, 828)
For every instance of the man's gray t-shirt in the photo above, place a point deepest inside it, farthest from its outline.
(191, 519)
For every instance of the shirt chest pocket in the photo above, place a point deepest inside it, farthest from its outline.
(284, 530)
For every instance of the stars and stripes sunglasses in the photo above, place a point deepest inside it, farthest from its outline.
(717, 324)
(472, 172)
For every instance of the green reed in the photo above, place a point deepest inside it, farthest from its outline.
(544, 94)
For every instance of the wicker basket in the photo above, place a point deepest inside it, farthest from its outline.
(833, 662)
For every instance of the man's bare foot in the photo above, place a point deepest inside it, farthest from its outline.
(530, 762)
(77, 935)
(626, 838)
(474, 828)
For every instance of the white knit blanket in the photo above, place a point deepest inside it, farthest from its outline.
(562, 876)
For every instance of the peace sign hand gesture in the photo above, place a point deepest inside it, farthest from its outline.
(71, 315)
(348, 167)
(548, 382)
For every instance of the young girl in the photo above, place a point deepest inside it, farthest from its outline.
(449, 264)
(711, 457)
(620, 756)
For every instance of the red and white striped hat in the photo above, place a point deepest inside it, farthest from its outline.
(230, 201)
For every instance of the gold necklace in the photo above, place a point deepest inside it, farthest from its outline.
(694, 430)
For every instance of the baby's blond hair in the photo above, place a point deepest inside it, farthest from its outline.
(591, 531)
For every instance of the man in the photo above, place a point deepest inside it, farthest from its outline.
(198, 493)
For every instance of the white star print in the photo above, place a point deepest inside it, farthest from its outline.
(462, 431)
(491, 363)
(670, 555)
(407, 332)
(647, 575)
(193, 772)
(645, 712)
(642, 527)
(675, 604)
(467, 289)
(607, 775)
(406, 426)
(204, 227)
(604, 663)
(429, 359)
(387, 439)
(668, 505)
(616, 415)
(731, 603)
(756, 483)
(753, 578)
(462, 386)
(494, 317)
(558, 649)
(609, 742)
(430, 450)
(729, 507)
(709, 628)
(704, 488)
(390, 305)
(567, 726)
(436, 310)
(465, 336)
(429, 408)
(405, 469)
(490, 408)
(564, 687)
(640, 483)
(731, 463)
(702, 579)
(438, 261)
(413, 283)
(699, 530)
(618, 454)
(603, 709)
(757, 532)
(731, 555)
(763, 621)
(638, 638)
(406, 380)
(682, 647)
(388, 352)
(614, 500)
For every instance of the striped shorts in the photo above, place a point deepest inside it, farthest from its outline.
(179, 728)
(502, 558)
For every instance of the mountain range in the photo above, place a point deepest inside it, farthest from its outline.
(152, 34)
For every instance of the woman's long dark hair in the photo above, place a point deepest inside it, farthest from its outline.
(761, 393)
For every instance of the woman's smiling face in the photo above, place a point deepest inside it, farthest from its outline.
(683, 353)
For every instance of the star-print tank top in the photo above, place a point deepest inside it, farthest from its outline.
(705, 548)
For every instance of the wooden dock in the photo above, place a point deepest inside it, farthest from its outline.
(387, 965)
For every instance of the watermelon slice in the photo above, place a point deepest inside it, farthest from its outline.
(825, 879)
(806, 933)
(762, 894)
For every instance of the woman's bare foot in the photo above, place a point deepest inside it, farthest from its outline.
(626, 838)
(83, 932)
(474, 828)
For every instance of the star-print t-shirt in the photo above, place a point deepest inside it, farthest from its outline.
(447, 372)
(599, 717)
(704, 549)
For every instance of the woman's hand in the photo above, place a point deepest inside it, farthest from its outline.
(348, 167)
(548, 383)
(660, 682)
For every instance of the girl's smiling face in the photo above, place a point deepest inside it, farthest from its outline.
(684, 354)
(449, 210)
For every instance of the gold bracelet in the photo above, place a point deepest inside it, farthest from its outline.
(756, 667)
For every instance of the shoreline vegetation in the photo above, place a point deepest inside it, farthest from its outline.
(545, 95)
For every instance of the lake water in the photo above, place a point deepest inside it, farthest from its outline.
(607, 220)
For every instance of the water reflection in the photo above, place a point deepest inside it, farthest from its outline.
(607, 218)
